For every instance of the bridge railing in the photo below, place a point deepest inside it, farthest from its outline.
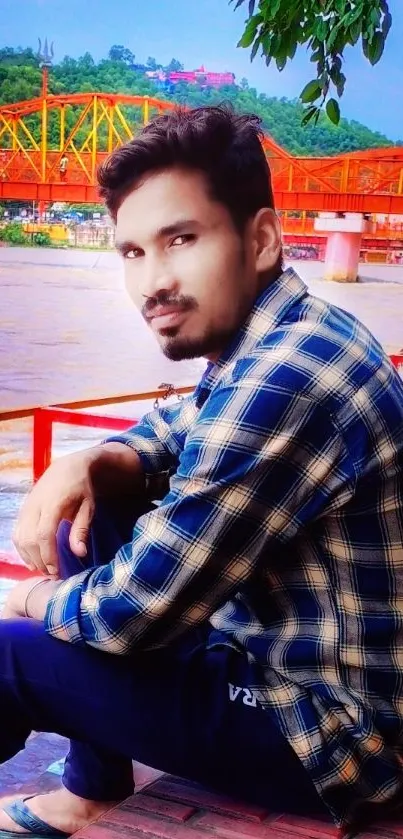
(300, 174)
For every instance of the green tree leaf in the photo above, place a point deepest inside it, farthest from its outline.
(321, 29)
(375, 15)
(311, 91)
(292, 50)
(276, 43)
(386, 24)
(274, 7)
(267, 43)
(317, 55)
(331, 40)
(255, 48)
(281, 62)
(333, 111)
(309, 114)
(365, 45)
(341, 84)
(354, 15)
(248, 36)
(354, 32)
(376, 47)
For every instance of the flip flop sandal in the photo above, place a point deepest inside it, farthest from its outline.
(24, 817)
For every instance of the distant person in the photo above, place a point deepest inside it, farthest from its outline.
(64, 162)
(247, 632)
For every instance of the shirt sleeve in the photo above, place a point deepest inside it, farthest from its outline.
(257, 466)
(159, 437)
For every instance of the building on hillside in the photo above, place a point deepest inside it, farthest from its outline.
(201, 76)
(159, 77)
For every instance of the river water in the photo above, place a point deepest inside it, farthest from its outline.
(68, 332)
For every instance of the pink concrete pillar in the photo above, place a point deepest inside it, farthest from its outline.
(344, 232)
(342, 256)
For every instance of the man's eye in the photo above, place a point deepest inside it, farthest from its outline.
(133, 253)
(183, 239)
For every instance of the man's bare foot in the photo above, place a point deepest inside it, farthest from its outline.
(60, 809)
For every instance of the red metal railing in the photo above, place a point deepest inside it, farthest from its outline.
(44, 418)
(397, 360)
(70, 413)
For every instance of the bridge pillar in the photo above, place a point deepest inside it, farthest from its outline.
(344, 234)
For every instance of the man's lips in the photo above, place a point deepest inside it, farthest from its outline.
(164, 316)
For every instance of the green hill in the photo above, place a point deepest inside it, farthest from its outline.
(20, 78)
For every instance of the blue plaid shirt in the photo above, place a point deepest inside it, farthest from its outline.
(282, 527)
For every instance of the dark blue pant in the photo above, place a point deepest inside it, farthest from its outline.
(170, 709)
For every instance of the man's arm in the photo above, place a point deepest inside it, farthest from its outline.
(128, 461)
(258, 465)
(138, 462)
(156, 441)
(116, 469)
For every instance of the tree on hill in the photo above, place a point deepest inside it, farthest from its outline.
(120, 53)
(174, 66)
(326, 28)
(18, 57)
(152, 64)
(281, 117)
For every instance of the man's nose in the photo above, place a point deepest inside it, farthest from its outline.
(156, 278)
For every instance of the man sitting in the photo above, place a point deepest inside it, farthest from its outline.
(247, 632)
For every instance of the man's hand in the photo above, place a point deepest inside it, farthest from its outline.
(37, 600)
(67, 490)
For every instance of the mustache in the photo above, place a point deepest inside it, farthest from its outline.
(163, 298)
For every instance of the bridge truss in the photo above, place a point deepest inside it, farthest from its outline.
(36, 134)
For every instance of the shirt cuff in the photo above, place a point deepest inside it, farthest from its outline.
(63, 613)
(154, 457)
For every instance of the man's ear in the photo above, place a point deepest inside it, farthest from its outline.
(267, 239)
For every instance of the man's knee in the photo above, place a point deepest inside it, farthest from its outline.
(112, 526)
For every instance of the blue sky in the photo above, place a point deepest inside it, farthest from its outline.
(205, 32)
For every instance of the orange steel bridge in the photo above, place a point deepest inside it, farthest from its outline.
(36, 134)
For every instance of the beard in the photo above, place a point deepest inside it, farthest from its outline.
(180, 348)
